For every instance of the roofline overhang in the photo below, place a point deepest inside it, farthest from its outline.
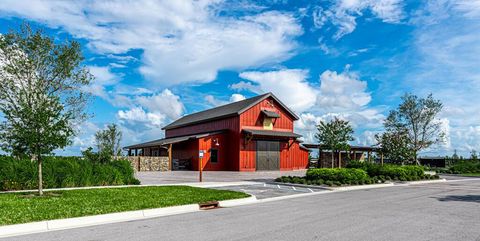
(269, 94)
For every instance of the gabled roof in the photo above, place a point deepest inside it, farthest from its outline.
(232, 109)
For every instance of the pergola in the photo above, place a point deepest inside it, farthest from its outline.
(352, 149)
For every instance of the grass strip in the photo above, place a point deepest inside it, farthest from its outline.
(18, 208)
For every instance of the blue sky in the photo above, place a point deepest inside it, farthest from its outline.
(156, 61)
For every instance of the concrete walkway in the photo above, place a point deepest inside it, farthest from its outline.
(212, 176)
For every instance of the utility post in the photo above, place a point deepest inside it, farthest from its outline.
(200, 167)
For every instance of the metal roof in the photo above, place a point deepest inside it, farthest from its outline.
(271, 133)
(271, 114)
(172, 140)
(352, 148)
(220, 112)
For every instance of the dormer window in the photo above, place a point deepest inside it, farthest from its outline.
(269, 118)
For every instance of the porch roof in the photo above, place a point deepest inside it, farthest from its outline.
(271, 114)
(171, 140)
(352, 148)
(255, 132)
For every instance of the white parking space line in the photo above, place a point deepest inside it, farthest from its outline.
(294, 188)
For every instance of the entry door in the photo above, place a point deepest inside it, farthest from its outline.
(268, 155)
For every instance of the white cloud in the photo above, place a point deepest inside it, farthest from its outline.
(290, 84)
(343, 14)
(164, 102)
(236, 97)
(212, 100)
(182, 41)
(143, 120)
(138, 115)
(104, 77)
(242, 85)
(340, 92)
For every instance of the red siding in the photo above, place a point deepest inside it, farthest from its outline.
(234, 153)
(253, 117)
(209, 143)
(248, 155)
(292, 157)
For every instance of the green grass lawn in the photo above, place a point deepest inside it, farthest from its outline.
(470, 174)
(24, 207)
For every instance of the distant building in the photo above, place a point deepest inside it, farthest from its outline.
(436, 161)
(249, 135)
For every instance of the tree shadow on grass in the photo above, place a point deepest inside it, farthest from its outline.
(460, 198)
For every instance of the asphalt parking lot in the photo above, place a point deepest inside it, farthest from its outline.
(265, 190)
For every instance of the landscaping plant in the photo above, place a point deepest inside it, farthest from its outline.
(64, 172)
(42, 94)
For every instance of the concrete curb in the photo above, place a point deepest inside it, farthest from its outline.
(361, 187)
(426, 181)
(237, 202)
(68, 223)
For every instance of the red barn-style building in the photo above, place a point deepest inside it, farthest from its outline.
(254, 134)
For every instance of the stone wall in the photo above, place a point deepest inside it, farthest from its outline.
(149, 163)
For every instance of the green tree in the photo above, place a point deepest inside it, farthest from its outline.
(473, 155)
(335, 135)
(417, 118)
(42, 95)
(394, 146)
(108, 140)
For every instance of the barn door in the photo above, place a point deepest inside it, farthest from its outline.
(268, 155)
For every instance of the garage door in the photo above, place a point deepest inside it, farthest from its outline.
(268, 155)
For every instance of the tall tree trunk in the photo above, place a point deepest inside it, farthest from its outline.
(40, 177)
(416, 158)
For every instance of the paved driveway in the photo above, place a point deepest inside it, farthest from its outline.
(212, 176)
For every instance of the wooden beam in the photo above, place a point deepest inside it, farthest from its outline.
(170, 161)
(339, 159)
(319, 161)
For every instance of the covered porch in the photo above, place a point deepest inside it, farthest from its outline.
(337, 159)
(167, 154)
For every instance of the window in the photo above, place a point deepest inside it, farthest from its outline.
(267, 123)
(213, 155)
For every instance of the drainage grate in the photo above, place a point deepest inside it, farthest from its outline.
(208, 205)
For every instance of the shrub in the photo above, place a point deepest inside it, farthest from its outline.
(390, 172)
(20, 174)
(465, 167)
(343, 176)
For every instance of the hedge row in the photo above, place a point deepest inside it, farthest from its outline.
(359, 173)
(63, 172)
(343, 175)
(391, 172)
(465, 167)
